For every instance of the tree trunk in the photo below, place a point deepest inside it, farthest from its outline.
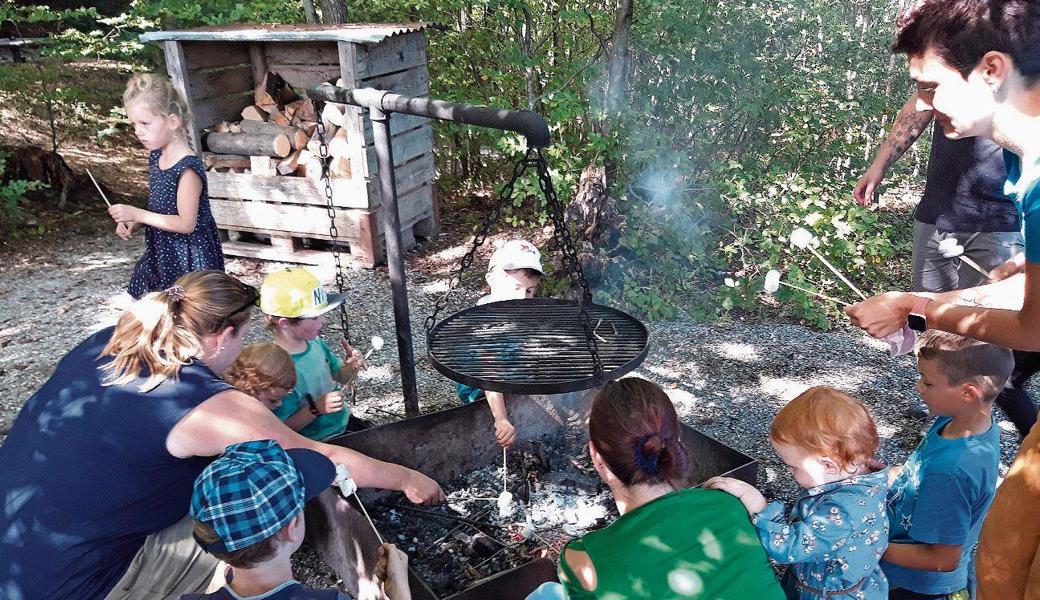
(308, 11)
(248, 144)
(333, 11)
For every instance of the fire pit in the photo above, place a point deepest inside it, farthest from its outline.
(458, 546)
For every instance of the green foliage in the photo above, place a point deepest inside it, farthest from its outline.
(12, 194)
(738, 122)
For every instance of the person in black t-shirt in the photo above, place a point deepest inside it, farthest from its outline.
(963, 199)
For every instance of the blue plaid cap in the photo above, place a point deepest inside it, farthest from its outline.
(254, 489)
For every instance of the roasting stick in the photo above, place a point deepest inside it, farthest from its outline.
(803, 239)
(773, 284)
(949, 248)
(815, 293)
(504, 467)
(974, 265)
(103, 197)
(348, 487)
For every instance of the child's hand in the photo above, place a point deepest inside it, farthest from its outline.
(122, 213)
(505, 433)
(751, 498)
(123, 230)
(330, 402)
(392, 570)
(355, 360)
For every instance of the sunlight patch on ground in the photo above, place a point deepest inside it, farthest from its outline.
(99, 262)
(735, 351)
(786, 388)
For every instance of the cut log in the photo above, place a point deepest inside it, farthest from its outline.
(339, 145)
(333, 114)
(288, 165)
(308, 126)
(225, 161)
(278, 117)
(304, 111)
(297, 137)
(248, 144)
(263, 165)
(254, 113)
(340, 167)
(308, 165)
(274, 91)
(315, 141)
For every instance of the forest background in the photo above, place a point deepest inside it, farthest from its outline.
(721, 125)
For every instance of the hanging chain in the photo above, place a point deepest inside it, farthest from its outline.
(570, 256)
(481, 236)
(326, 178)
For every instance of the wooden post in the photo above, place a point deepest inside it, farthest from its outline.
(178, 70)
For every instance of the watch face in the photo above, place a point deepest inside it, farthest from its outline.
(916, 322)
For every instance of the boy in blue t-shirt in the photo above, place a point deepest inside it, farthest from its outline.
(248, 512)
(940, 496)
(294, 304)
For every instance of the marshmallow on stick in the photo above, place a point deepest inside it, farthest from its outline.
(949, 248)
(377, 345)
(803, 239)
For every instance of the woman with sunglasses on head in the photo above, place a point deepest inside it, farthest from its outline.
(96, 474)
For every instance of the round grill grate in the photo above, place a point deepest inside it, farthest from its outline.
(535, 346)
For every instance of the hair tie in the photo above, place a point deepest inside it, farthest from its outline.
(175, 292)
(643, 461)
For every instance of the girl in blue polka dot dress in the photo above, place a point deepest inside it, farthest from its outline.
(180, 234)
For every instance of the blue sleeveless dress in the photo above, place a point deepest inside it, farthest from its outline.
(85, 475)
(169, 255)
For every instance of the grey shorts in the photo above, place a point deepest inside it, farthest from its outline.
(169, 564)
(933, 273)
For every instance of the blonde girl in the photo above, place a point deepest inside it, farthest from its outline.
(265, 372)
(180, 233)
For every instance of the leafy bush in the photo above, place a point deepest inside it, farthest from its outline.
(12, 193)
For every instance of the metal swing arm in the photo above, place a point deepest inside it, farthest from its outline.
(381, 104)
(525, 122)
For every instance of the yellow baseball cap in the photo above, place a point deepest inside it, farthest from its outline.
(294, 294)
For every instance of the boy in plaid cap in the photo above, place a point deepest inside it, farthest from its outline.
(295, 304)
(514, 273)
(248, 512)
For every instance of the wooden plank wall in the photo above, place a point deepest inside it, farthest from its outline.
(220, 80)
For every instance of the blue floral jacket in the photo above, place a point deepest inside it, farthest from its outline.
(833, 539)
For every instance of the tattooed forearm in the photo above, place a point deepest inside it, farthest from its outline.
(904, 133)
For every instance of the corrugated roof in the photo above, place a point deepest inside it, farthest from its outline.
(368, 33)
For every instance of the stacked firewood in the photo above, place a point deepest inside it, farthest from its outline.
(278, 135)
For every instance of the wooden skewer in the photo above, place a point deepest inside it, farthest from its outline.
(103, 197)
(815, 293)
(362, 505)
(504, 469)
(974, 265)
(837, 272)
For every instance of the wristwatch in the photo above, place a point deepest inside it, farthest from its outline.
(916, 319)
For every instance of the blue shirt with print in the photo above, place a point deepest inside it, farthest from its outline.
(316, 368)
(290, 590)
(1022, 187)
(833, 539)
(941, 497)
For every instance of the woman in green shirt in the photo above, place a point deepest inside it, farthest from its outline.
(669, 542)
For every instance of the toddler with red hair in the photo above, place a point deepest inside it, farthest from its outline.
(837, 531)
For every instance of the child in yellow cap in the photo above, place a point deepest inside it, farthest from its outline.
(294, 305)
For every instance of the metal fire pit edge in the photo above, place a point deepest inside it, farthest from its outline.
(449, 443)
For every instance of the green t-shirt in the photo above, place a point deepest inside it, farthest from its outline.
(690, 543)
(315, 368)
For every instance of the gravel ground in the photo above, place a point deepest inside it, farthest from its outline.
(727, 379)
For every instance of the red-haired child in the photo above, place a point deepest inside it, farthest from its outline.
(837, 531)
(265, 372)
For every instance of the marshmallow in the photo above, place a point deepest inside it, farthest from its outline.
(772, 281)
(377, 343)
(505, 504)
(801, 238)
